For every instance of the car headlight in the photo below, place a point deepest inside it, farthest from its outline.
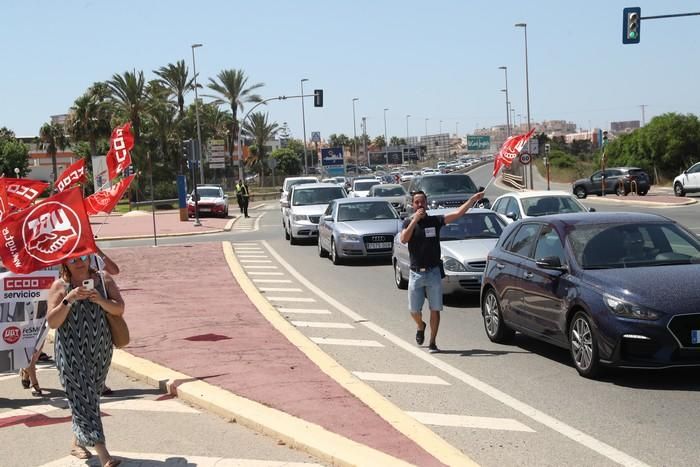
(453, 265)
(629, 310)
(349, 238)
(300, 217)
(434, 205)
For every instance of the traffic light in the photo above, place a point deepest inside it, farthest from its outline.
(605, 138)
(187, 151)
(318, 97)
(631, 25)
(546, 148)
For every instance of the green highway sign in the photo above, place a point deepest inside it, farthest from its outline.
(478, 143)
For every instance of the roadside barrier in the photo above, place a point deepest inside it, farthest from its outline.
(513, 180)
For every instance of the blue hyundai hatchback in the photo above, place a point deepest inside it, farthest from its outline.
(619, 289)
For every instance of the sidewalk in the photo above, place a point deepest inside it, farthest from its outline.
(198, 322)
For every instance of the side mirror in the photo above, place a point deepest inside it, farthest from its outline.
(281, 190)
(685, 172)
(328, 218)
(285, 204)
(591, 210)
(512, 215)
(551, 262)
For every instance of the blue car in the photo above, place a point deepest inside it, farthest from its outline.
(618, 289)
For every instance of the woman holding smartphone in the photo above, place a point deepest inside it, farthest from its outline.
(78, 303)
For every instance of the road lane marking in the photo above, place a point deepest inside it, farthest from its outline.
(348, 342)
(466, 421)
(151, 459)
(321, 324)
(291, 299)
(259, 267)
(307, 311)
(279, 289)
(560, 427)
(400, 378)
(273, 281)
(257, 221)
(238, 244)
(263, 273)
(255, 261)
(253, 256)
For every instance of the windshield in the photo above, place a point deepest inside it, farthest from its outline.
(305, 197)
(339, 179)
(365, 211)
(447, 184)
(389, 191)
(543, 205)
(290, 183)
(365, 186)
(209, 193)
(610, 246)
(486, 225)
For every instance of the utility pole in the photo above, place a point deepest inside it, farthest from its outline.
(364, 138)
(643, 106)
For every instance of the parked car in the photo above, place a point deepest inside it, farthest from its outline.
(392, 192)
(444, 190)
(306, 204)
(211, 200)
(289, 182)
(464, 245)
(357, 228)
(521, 205)
(618, 180)
(688, 181)
(361, 186)
(614, 288)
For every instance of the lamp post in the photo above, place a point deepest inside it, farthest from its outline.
(527, 93)
(440, 132)
(196, 112)
(303, 124)
(354, 127)
(16, 172)
(457, 129)
(386, 140)
(505, 70)
(426, 126)
(364, 138)
(403, 159)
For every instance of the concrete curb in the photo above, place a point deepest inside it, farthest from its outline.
(227, 228)
(411, 428)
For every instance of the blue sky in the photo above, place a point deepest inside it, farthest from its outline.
(434, 59)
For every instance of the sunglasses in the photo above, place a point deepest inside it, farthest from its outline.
(75, 260)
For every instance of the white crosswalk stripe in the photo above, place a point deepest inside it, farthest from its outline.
(321, 324)
(400, 378)
(348, 342)
(465, 421)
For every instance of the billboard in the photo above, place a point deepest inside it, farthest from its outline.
(478, 142)
(332, 157)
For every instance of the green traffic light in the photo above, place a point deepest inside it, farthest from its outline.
(633, 34)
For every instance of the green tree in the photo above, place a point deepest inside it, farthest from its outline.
(128, 93)
(396, 141)
(175, 77)
(162, 136)
(89, 118)
(339, 141)
(54, 137)
(288, 162)
(6, 133)
(379, 141)
(13, 154)
(260, 130)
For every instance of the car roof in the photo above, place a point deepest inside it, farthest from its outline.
(364, 199)
(389, 185)
(536, 193)
(600, 218)
(443, 211)
(311, 186)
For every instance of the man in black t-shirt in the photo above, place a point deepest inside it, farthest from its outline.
(422, 233)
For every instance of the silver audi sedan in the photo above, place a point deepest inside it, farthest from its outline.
(357, 228)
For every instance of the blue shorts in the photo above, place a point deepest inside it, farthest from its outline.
(422, 284)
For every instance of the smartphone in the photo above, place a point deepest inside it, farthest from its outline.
(89, 284)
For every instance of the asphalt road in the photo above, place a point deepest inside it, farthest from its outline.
(521, 404)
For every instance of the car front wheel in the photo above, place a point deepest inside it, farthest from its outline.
(334, 254)
(580, 192)
(400, 282)
(496, 329)
(321, 252)
(584, 345)
(678, 189)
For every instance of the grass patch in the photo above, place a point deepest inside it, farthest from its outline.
(582, 169)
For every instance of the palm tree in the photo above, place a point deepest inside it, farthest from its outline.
(53, 135)
(258, 128)
(89, 118)
(162, 123)
(232, 90)
(176, 78)
(128, 92)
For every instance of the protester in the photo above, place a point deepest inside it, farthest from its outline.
(422, 233)
(239, 195)
(101, 262)
(28, 376)
(78, 312)
(245, 196)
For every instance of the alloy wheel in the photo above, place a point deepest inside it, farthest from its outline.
(582, 343)
(491, 319)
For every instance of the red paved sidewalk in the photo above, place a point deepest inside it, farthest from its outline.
(140, 223)
(186, 311)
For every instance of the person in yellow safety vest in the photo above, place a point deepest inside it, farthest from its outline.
(245, 196)
(239, 195)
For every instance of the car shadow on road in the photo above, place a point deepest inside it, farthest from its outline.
(462, 300)
(480, 352)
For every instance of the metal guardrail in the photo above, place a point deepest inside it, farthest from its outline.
(513, 180)
(157, 202)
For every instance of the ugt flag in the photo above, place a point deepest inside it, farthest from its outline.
(75, 173)
(120, 145)
(46, 234)
(105, 200)
(510, 150)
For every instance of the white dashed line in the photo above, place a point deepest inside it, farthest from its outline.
(321, 324)
(263, 273)
(348, 342)
(465, 421)
(291, 299)
(400, 378)
(279, 289)
(307, 311)
(255, 261)
(259, 267)
(272, 281)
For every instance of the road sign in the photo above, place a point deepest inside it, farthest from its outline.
(534, 146)
(524, 158)
(478, 142)
(332, 157)
(272, 162)
(316, 136)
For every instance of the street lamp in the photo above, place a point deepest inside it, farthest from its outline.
(386, 141)
(440, 132)
(426, 126)
(364, 139)
(457, 129)
(403, 160)
(354, 127)
(527, 93)
(303, 124)
(505, 70)
(16, 172)
(199, 134)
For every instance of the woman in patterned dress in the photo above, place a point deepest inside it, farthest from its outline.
(84, 348)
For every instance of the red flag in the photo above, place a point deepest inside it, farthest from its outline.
(75, 173)
(510, 150)
(46, 234)
(105, 200)
(119, 157)
(4, 204)
(21, 192)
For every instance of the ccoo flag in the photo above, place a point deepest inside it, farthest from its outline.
(120, 145)
(510, 150)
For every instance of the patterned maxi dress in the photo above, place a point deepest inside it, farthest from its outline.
(83, 355)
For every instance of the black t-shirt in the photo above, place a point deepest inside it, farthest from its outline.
(424, 245)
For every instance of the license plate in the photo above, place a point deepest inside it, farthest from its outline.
(204, 209)
(378, 246)
(695, 336)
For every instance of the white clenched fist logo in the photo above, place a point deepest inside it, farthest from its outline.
(51, 232)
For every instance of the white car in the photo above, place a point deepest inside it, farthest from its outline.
(407, 176)
(360, 187)
(289, 182)
(688, 181)
(306, 204)
(523, 204)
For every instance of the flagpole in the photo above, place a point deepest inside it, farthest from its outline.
(101, 225)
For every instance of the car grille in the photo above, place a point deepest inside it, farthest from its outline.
(471, 284)
(451, 203)
(477, 265)
(205, 205)
(681, 327)
(396, 205)
(379, 238)
(314, 219)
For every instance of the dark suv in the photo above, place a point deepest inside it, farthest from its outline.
(618, 180)
(444, 190)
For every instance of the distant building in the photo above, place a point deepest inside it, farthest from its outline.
(437, 146)
(556, 128)
(41, 167)
(624, 127)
